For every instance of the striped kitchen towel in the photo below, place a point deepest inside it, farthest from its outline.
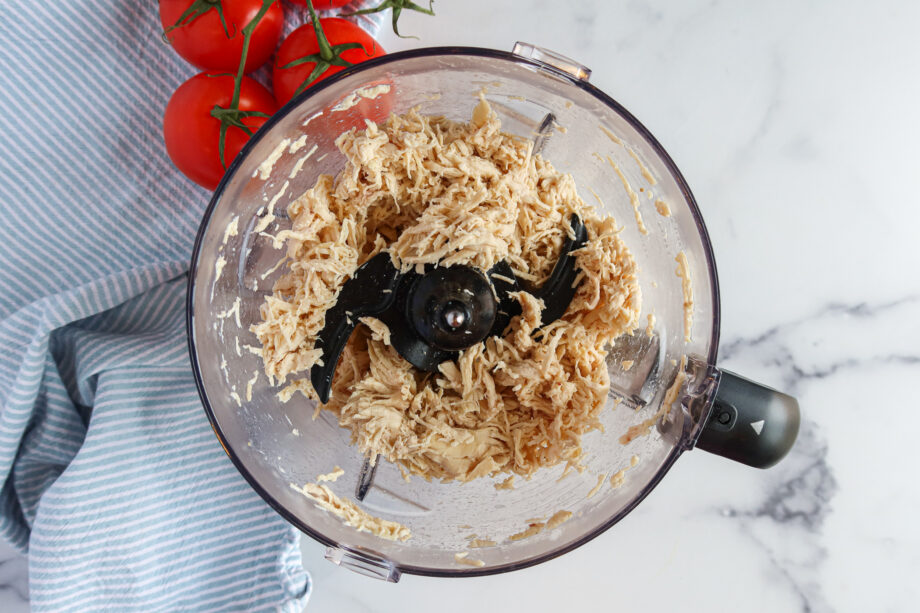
(112, 480)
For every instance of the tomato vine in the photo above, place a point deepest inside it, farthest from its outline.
(329, 55)
(397, 6)
(233, 116)
(195, 10)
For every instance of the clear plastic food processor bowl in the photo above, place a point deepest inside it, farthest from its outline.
(541, 96)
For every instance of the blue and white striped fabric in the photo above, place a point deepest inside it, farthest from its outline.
(111, 477)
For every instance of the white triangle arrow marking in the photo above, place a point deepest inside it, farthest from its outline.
(758, 426)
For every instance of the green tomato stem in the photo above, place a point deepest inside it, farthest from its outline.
(232, 115)
(195, 10)
(397, 6)
(325, 49)
(248, 29)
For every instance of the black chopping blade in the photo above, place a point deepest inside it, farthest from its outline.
(436, 314)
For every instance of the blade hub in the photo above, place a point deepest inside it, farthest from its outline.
(454, 315)
(452, 308)
(434, 314)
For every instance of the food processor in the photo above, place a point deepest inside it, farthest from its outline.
(666, 367)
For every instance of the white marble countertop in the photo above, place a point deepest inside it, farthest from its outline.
(796, 126)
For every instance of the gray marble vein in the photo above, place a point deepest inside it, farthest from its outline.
(776, 346)
(795, 507)
(819, 356)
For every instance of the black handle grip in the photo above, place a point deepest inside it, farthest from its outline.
(750, 423)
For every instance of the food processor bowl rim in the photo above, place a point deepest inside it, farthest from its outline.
(391, 59)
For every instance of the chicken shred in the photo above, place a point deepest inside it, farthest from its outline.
(431, 190)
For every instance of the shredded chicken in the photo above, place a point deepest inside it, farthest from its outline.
(558, 518)
(331, 476)
(536, 527)
(619, 477)
(600, 481)
(683, 271)
(352, 514)
(430, 190)
(477, 543)
(461, 558)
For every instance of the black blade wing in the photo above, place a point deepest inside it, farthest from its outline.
(370, 291)
(560, 288)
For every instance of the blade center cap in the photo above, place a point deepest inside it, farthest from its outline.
(454, 314)
(452, 308)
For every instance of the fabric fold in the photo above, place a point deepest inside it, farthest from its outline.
(110, 476)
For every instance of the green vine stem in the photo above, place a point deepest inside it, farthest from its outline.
(329, 55)
(397, 6)
(325, 50)
(195, 10)
(233, 116)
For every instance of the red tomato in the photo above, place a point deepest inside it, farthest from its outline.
(322, 5)
(302, 42)
(192, 134)
(204, 43)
